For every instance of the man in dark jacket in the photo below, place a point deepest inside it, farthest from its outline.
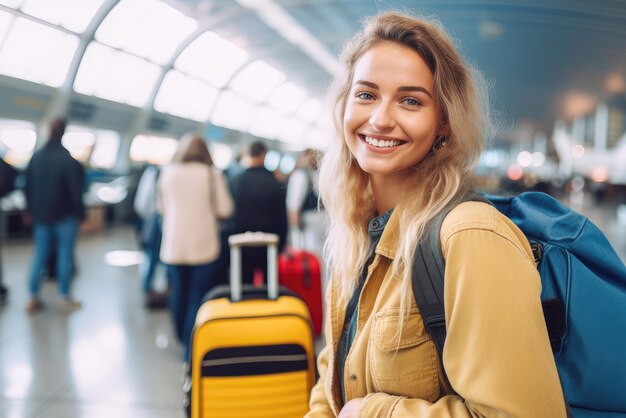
(54, 186)
(259, 206)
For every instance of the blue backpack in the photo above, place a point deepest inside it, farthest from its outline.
(583, 297)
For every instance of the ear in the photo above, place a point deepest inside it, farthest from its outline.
(444, 129)
(444, 125)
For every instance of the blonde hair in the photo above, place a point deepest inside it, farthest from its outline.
(442, 177)
(192, 147)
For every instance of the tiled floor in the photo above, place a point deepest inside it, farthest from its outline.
(112, 358)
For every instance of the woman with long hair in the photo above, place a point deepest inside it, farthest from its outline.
(192, 198)
(411, 118)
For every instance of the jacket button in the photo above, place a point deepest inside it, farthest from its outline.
(375, 224)
(353, 377)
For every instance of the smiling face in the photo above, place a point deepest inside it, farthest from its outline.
(391, 117)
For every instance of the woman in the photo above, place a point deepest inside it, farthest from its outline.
(411, 125)
(193, 196)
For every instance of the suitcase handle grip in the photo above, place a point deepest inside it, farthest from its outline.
(253, 239)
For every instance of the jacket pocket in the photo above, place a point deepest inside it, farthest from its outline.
(405, 365)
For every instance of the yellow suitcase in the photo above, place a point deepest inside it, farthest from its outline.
(252, 348)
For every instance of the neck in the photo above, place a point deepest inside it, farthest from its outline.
(257, 162)
(387, 191)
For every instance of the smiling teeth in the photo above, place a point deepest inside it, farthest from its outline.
(381, 143)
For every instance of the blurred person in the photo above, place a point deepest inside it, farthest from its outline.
(54, 196)
(307, 222)
(192, 197)
(259, 206)
(236, 165)
(145, 206)
(8, 173)
(411, 122)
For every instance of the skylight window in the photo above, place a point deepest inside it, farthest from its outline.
(18, 139)
(293, 132)
(5, 24)
(318, 139)
(222, 155)
(268, 123)
(13, 4)
(186, 97)
(104, 154)
(309, 110)
(232, 111)
(286, 98)
(115, 75)
(38, 53)
(74, 15)
(147, 28)
(199, 59)
(79, 143)
(152, 149)
(97, 146)
(257, 80)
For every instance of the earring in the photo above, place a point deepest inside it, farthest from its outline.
(439, 142)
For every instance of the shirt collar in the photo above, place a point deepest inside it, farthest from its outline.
(388, 244)
(377, 225)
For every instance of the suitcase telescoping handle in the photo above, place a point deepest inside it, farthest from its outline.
(253, 239)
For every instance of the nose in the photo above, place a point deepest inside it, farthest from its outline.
(382, 118)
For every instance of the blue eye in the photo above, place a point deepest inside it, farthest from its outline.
(365, 96)
(411, 101)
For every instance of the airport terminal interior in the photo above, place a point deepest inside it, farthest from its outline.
(132, 77)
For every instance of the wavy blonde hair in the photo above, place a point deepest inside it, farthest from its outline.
(440, 180)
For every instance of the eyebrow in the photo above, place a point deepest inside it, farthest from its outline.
(401, 88)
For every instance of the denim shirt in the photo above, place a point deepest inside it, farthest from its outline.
(375, 230)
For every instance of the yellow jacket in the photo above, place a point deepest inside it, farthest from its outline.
(497, 354)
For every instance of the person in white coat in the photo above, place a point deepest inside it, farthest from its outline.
(192, 198)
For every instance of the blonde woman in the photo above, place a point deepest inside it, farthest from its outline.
(192, 197)
(411, 123)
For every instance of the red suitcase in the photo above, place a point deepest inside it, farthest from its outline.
(299, 271)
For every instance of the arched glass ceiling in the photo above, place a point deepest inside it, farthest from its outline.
(73, 15)
(211, 78)
(185, 96)
(212, 59)
(36, 52)
(267, 123)
(99, 147)
(13, 4)
(257, 80)
(286, 98)
(116, 75)
(232, 111)
(18, 138)
(310, 110)
(5, 25)
(152, 149)
(147, 28)
(293, 132)
(318, 139)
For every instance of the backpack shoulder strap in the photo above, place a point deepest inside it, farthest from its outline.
(428, 276)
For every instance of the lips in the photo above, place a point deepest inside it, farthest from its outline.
(381, 142)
